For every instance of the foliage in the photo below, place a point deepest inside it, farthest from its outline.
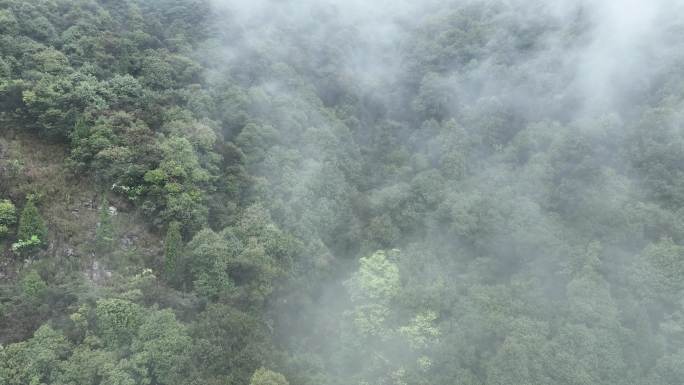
(173, 248)
(25, 246)
(31, 224)
(8, 216)
(157, 351)
(33, 286)
(104, 234)
(264, 376)
(434, 192)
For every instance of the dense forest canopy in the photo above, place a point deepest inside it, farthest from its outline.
(335, 192)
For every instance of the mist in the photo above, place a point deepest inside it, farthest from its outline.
(499, 90)
(475, 192)
(571, 64)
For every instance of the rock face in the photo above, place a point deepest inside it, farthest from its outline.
(128, 241)
(97, 273)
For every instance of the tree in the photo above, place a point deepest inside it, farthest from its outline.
(33, 286)
(31, 224)
(229, 343)
(118, 320)
(8, 216)
(104, 234)
(35, 361)
(162, 345)
(208, 262)
(661, 269)
(376, 281)
(372, 289)
(173, 245)
(264, 376)
(8, 23)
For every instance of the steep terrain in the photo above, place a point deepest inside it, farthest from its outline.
(263, 192)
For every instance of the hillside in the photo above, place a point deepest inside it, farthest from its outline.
(205, 192)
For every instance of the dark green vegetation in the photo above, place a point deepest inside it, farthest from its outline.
(303, 193)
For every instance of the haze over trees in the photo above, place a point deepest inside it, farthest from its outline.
(205, 192)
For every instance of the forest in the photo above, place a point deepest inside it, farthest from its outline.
(341, 192)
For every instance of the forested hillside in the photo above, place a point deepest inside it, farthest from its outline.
(341, 192)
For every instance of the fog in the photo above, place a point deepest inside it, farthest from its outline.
(342, 192)
(536, 102)
(623, 45)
